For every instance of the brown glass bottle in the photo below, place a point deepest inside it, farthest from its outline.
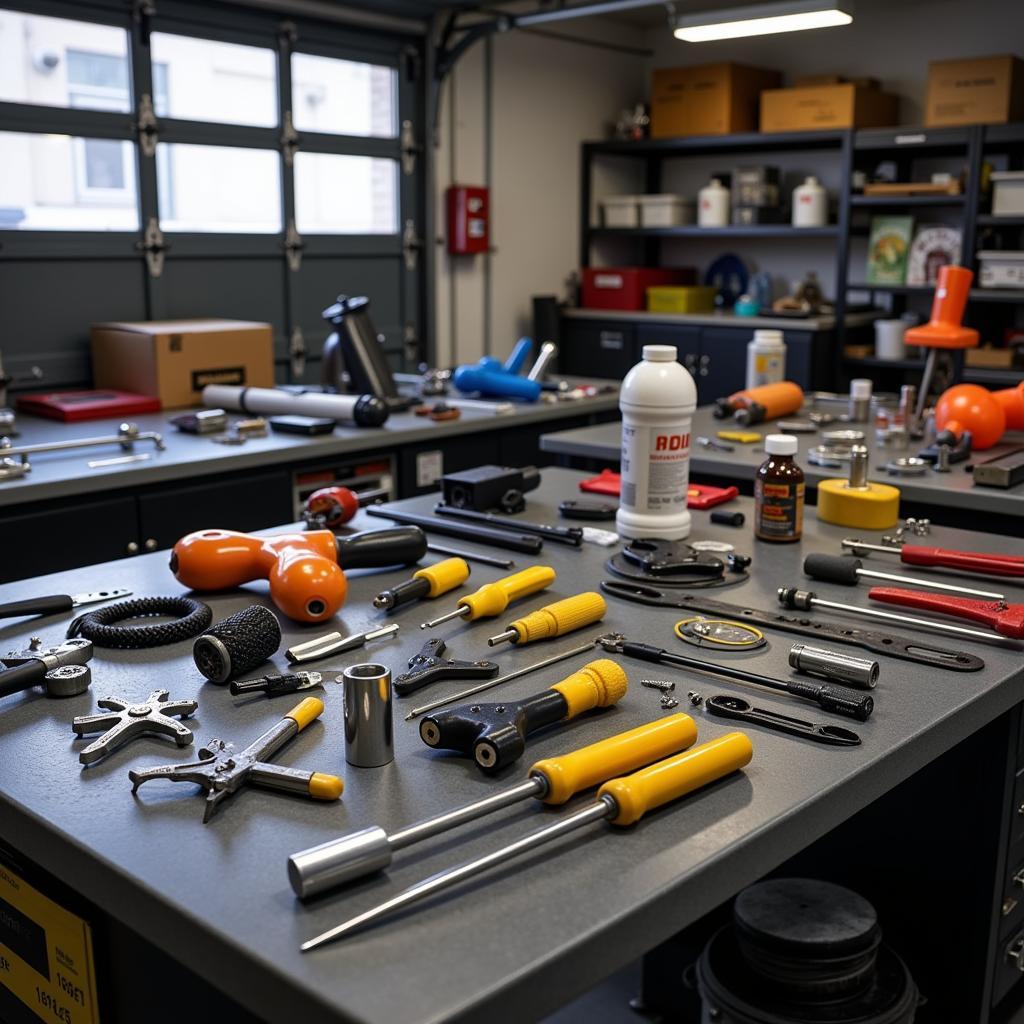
(779, 492)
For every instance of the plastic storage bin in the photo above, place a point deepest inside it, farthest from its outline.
(668, 298)
(626, 287)
(664, 211)
(1008, 193)
(1000, 269)
(621, 211)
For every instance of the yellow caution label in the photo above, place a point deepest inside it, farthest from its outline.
(46, 957)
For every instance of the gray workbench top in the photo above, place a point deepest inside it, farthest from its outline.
(530, 936)
(953, 490)
(57, 474)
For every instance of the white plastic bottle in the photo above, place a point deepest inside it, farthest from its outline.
(657, 402)
(766, 358)
(810, 204)
(713, 205)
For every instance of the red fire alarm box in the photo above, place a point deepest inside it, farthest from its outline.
(468, 219)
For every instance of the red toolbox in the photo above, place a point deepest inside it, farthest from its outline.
(626, 287)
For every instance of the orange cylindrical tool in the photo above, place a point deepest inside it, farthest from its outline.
(767, 402)
(945, 328)
(986, 414)
(306, 582)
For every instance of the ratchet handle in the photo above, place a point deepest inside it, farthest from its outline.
(1007, 619)
(836, 699)
(25, 676)
(676, 776)
(399, 545)
(37, 606)
(968, 561)
(582, 769)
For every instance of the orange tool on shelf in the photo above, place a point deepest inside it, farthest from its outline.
(945, 329)
(767, 402)
(304, 569)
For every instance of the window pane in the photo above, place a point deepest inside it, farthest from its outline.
(61, 183)
(205, 80)
(218, 188)
(63, 63)
(345, 195)
(343, 97)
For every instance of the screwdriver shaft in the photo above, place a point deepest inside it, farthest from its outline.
(461, 612)
(941, 627)
(605, 807)
(930, 584)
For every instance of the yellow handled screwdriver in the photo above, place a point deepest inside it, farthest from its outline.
(556, 619)
(433, 581)
(621, 801)
(493, 598)
(553, 780)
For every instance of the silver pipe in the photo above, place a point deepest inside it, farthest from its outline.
(604, 808)
(581, 11)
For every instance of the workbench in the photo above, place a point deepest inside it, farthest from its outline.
(186, 914)
(139, 506)
(949, 497)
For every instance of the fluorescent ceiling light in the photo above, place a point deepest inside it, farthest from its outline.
(760, 20)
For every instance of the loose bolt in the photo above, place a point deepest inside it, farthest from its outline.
(658, 684)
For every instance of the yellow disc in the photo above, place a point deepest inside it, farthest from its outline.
(876, 507)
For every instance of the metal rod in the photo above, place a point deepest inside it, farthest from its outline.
(581, 11)
(125, 438)
(926, 383)
(460, 613)
(572, 535)
(940, 627)
(470, 556)
(604, 808)
(897, 578)
(533, 786)
(509, 634)
(536, 666)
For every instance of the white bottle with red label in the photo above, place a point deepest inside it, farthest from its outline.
(657, 402)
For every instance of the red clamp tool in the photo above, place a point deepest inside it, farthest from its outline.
(1006, 619)
(966, 561)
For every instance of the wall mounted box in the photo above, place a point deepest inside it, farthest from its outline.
(988, 90)
(713, 99)
(823, 107)
(175, 359)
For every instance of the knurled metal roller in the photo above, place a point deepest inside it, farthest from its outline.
(237, 644)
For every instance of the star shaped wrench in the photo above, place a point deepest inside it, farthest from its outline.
(127, 721)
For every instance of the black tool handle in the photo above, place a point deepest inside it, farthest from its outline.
(571, 535)
(833, 568)
(272, 686)
(464, 531)
(14, 680)
(592, 510)
(400, 545)
(836, 699)
(37, 606)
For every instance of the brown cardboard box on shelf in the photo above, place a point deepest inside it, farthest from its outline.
(175, 359)
(988, 90)
(801, 81)
(713, 99)
(823, 107)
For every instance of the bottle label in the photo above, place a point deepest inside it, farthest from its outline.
(655, 467)
(779, 510)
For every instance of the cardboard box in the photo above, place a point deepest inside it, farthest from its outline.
(989, 90)
(822, 107)
(804, 80)
(175, 359)
(713, 99)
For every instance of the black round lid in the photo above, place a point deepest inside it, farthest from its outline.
(806, 916)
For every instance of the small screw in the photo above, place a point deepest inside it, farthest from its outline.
(658, 684)
(668, 702)
(696, 699)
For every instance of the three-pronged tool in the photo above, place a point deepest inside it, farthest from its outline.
(430, 665)
(126, 721)
(222, 770)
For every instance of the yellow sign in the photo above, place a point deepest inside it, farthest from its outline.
(46, 957)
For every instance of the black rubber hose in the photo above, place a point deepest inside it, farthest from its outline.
(190, 618)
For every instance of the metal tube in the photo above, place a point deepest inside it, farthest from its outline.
(834, 665)
(461, 612)
(369, 730)
(126, 438)
(926, 382)
(897, 578)
(462, 694)
(855, 545)
(858, 468)
(604, 808)
(539, 370)
(272, 740)
(580, 11)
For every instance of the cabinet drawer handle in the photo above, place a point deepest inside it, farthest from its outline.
(611, 339)
(150, 544)
(132, 547)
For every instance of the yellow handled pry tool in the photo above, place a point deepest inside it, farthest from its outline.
(493, 598)
(553, 780)
(222, 770)
(621, 801)
(565, 616)
(433, 581)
